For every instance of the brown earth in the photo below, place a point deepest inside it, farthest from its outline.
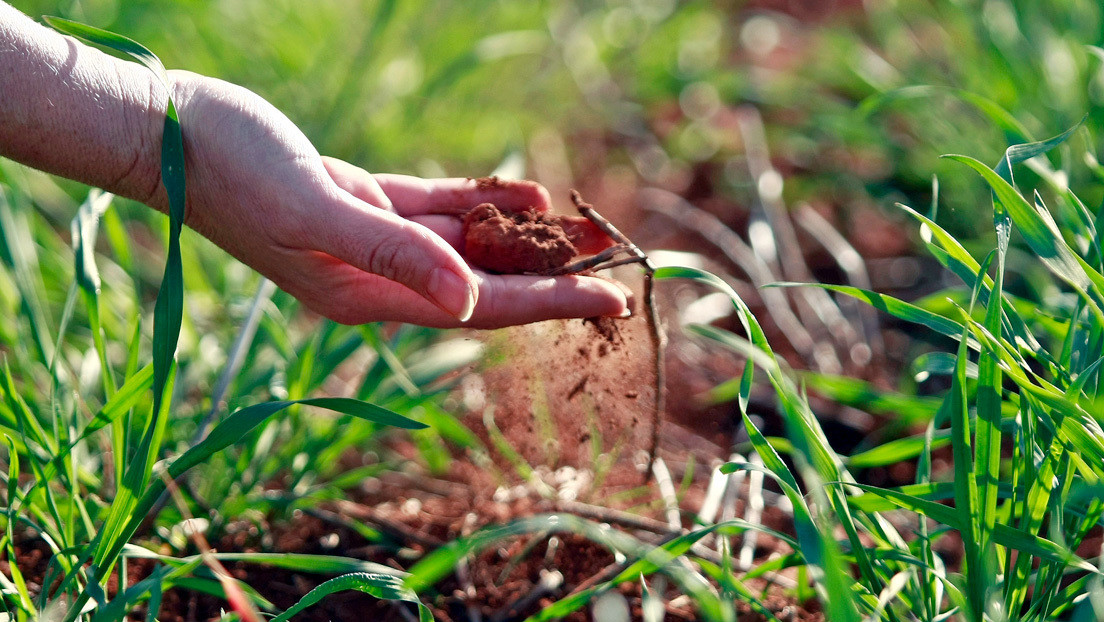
(524, 242)
(575, 399)
(506, 580)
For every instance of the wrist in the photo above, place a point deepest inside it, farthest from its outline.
(74, 111)
(143, 112)
(145, 127)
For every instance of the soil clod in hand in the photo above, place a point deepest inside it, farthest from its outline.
(524, 242)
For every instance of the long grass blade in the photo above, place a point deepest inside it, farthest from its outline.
(893, 306)
(956, 410)
(987, 446)
(84, 230)
(382, 586)
(169, 306)
(1037, 226)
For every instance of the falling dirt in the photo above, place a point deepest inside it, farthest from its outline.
(570, 390)
(565, 392)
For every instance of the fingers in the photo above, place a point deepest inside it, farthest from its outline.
(419, 199)
(385, 244)
(350, 296)
(357, 182)
(506, 300)
(413, 196)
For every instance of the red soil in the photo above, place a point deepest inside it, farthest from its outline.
(525, 242)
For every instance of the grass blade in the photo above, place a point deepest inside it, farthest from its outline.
(1036, 225)
(382, 586)
(987, 436)
(23, 596)
(169, 307)
(956, 410)
(898, 450)
(897, 308)
(84, 230)
(111, 40)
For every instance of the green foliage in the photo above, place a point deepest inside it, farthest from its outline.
(95, 407)
(99, 446)
(1017, 516)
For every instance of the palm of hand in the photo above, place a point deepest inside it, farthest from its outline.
(352, 246)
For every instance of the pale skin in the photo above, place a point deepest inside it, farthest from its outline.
(353, 246)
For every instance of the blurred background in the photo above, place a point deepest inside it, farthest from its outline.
(765, 140)
(771, 138)
(648, 92)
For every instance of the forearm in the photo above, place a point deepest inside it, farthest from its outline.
(71, 110)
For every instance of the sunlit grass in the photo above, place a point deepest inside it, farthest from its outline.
(645, 87)
(1023, 515)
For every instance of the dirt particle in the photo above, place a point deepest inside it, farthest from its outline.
(578, 388)
(489, 183)
(608, 332)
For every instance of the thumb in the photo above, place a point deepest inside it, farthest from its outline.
(383, 243)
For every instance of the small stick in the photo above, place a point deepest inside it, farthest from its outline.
(667, 491)
(753, 513)
(232, 591)
(731, 496)
(586, 209)
(594, 262)
(463, 572)
(615, 517)
(659, 341)
(714, 493)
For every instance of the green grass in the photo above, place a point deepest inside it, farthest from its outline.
(95, 408)
(1023, 514)
(88, 519)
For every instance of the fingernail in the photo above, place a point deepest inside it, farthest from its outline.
(452, 293)
(630, 298)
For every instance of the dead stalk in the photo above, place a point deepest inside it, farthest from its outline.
(232, 591)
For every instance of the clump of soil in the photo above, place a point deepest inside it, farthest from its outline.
(524, 242)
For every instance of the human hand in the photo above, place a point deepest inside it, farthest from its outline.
(352, 246)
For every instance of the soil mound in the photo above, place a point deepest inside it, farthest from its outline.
(525, 242)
